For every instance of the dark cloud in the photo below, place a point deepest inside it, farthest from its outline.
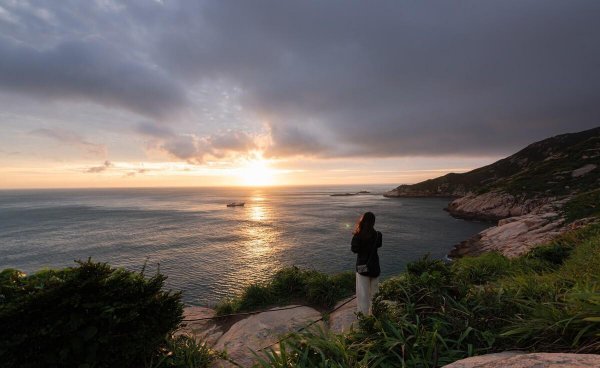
(98, 169)
(89, 70)
(397, 78)
(293, 141)
(71, 138)
(334, 79)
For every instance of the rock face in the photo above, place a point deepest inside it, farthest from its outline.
(261, 330)
(514, 236)
(494, 206)
(536, 360)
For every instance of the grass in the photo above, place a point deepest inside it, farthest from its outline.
(292, 284)
(183, 352)
(437, 313)
(583, 205)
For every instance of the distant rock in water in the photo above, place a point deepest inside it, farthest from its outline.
(525, 187)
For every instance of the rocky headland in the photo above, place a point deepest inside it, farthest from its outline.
(545, 189)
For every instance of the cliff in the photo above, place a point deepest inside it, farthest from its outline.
(527, 191)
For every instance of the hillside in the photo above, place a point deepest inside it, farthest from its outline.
(560, 165)
(535, 195)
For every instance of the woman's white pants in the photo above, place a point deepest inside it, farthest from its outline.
(366, 287)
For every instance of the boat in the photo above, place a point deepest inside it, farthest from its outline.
(342, 194)
(236, 204)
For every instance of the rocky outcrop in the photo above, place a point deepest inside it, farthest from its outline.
(513, 236)
(494, 206)
(535, 360)
(261, 330)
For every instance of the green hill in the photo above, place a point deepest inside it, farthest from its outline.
(560, 165)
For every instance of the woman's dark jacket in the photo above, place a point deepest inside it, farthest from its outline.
(366, 249)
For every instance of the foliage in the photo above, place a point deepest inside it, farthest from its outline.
(583, 205)
(183, 352)
(91, 315)
(289, 284)
(314, 348)
(437, 313)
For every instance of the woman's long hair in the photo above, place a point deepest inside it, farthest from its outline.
(365, 224)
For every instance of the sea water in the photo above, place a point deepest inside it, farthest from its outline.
(209, 250)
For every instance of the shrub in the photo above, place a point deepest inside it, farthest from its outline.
(91, 315)
(291, 284)
(480, 270)
(583, 205)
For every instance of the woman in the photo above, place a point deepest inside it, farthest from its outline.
(365, 242)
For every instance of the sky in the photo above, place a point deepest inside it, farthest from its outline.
(210, 93)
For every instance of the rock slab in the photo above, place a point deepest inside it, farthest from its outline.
(343, 319)
(200, 325)
(261, 330)
(535, 360)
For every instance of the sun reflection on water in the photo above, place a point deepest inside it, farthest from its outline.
(258, 253)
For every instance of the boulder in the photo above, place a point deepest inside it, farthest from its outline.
(261, 330)
(343, 319)
(583, 170)
(535, 360)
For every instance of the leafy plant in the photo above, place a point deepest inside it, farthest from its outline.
(91, 315)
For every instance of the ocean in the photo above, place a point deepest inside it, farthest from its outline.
(208, 250)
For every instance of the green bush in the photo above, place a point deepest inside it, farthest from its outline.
(479, 270)
(91, 315)
(292, 284)
(583, 205)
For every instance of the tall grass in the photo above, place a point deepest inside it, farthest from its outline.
(289, 285)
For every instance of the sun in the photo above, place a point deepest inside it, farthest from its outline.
(256, 173)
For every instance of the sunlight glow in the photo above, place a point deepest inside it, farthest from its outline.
(257, 173)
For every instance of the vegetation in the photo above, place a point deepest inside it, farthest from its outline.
(91, 315)
(183, 352)
(583, 205)
(437, 313)
(292, 284)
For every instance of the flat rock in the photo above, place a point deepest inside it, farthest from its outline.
(343, 319)
(202, 328)
(261, 330)
(535, 360)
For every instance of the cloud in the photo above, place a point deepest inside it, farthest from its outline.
(419, 78)
(292, 141)
(197, 149)
(332, 80)
(98, 169)
(71, 138)
(90, 70)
